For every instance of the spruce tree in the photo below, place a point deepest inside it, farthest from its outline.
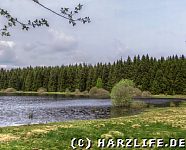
(99, 83)
(29, 81)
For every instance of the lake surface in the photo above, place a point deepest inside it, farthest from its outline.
(19, 110)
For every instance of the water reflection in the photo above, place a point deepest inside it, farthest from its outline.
(119, 112)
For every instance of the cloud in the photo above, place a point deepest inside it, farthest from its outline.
(122, 50)
(7, 53)
(117, 30)
(55, 48)
(10, 44)
(59, 42)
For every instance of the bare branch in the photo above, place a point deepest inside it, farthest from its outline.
(36, 1)
(65, 13)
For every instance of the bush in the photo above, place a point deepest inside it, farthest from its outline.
(122, 93)
(77, 92)
(146, 94)
(85, 92)
(137, 92)
(10, 90)
(138, 105)
(99, 93)
(2, 90)
(93, 91)
(42, 90)
(67, 91)
(102, 93)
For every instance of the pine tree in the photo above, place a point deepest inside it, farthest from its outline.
(29, 81)
(53, 78)
(164, 75)
(14, 80)
(89, 81)
(99, 83)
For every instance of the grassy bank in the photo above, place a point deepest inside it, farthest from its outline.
(85, 95)
(169, 96)
(154, 123)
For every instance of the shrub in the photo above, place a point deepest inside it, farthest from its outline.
(122, 93)
(2, 90)
(99, 93)
(10, 90)
(77, 92)
(93, 91)
(138, 105)
(137, 92)
(146, 94)
(85, 92)
(67, 91)
(42, 90)
(102, 93)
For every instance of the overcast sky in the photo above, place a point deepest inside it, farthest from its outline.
(119, 28)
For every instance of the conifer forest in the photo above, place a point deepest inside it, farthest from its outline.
(159, 76)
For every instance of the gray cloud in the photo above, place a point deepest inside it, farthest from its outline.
(59, 42)
(118, 29)
(8, 57)
(7, 53)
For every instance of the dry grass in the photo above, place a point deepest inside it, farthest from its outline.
(46, 129)
(176, 119)
(8, 137)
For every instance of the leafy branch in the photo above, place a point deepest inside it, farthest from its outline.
(65, 13)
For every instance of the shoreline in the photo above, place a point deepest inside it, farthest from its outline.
(72, 94)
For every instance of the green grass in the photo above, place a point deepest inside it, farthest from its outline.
(169, 96)
(153, 123)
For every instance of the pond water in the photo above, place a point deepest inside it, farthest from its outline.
(20, 110)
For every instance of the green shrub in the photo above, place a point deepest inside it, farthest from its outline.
(137, 92)
(102, 93)
(42, 90)
(2, 90)
(146, 94)
(93, 91)
(10, 90)
(122, 93)
(77, 92)
(138, 105)
(67, 91)
(85, 93)
(99, 93)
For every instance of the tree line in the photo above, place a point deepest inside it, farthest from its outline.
(164, 75)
